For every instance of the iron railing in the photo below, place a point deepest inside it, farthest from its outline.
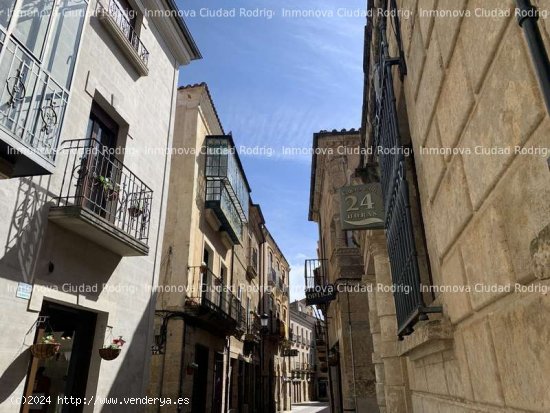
(32, 103)
(315, 273)
(126, 26)
(276, 327)
(409, 302)
(271, 277)
(95, 180)
(207, 291)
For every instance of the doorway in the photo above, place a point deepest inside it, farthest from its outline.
(66, 373)
(218, 383)
(200, 380)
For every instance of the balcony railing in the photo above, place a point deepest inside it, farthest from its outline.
(271, 277)
(252, 267)
(277, 328)
(317, 288)
(402, 252)
(32, 108)
(126, 28)
(99, 189)
(210, 302)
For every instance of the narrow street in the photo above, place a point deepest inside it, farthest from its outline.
(311, 407)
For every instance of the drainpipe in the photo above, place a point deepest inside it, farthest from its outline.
(527, 16)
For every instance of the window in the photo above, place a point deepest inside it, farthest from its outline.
(6, 11)
(32, 24)
(63, 47)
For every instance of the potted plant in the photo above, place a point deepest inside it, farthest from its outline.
(112, 351)
(47, 347)
(109, 187)
(136, 208)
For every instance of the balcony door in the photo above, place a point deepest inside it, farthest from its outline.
(101, 178)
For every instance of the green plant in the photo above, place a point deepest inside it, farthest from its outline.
(49, 339)
(110, 187)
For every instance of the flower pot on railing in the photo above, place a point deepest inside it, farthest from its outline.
(136, 209)
(110, 188)
(112, 351)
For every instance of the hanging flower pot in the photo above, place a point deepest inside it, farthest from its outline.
(109, 353)
(136, 209)
(46, 349)
(112, 351)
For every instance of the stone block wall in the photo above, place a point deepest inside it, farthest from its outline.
(475, 111)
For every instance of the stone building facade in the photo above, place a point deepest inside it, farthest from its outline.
(84, 92)
(459, 97)
(217, 258)
(304, 366)
(275, 301)
(349, 344)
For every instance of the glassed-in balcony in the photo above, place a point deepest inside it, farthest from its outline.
(227, 191)
(35, 76)
(102, 200)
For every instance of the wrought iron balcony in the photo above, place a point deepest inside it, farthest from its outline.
(212, 305)
(271, 277)
(409, 302)
(251, 268)
(32, 108)
(116, 21)
(102, 200)
(317, 289)
(277, 329)
(253, 330)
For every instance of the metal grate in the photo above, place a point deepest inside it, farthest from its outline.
(409, 302)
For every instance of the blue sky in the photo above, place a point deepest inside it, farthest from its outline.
(275, 81)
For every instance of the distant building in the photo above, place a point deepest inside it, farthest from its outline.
(309, 382)
(218, 259)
